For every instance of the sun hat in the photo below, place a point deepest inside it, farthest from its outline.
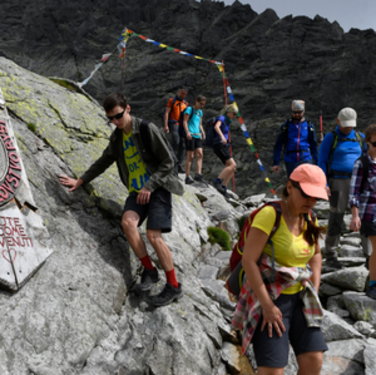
(298, 105)
(312, 180)
(347, 116)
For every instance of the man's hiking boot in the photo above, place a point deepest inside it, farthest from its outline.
(199, 178)
(188, 180)
(219, 187)
(168, 295)
(148, 279)
(371, 292)
(333, 263)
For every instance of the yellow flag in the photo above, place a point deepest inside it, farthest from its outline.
(249, 141)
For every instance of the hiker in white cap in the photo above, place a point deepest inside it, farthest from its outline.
(338, 153)
(298, 138)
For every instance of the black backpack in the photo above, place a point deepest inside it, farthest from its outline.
(145, 136)
(210, 132)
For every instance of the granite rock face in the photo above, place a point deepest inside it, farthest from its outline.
(269, 61)
(78, 314)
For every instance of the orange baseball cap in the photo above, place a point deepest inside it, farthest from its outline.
(312, 180)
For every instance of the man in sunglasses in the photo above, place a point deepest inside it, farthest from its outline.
(147, 171)
(298, 138)
(338, 153)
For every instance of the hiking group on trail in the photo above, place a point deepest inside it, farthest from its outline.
(276, 265)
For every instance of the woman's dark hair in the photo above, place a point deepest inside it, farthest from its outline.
(200, 98)
(112, 100)
(370, 131)
(313, 232)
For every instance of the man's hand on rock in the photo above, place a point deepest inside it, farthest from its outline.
(70, 182)
(276, 168)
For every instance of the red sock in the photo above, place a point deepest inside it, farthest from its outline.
(171, 278)
(146, 262)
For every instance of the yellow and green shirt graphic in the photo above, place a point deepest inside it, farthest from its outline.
(138, 174)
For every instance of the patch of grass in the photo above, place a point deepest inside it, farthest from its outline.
(219, 236)
(65, 84)
(32, 127)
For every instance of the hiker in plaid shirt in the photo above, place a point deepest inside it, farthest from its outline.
(274, 312)
(362, 201)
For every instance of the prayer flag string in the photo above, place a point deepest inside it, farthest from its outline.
(244, 129)
(144, 38)
(123, 39)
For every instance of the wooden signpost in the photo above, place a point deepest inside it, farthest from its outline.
(24, 240)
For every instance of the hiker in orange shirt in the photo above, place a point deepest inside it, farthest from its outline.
(175, 106)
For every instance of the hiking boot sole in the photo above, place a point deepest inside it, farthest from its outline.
(172, 300)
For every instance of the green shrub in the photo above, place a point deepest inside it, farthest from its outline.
(31, 127)
(219, 236)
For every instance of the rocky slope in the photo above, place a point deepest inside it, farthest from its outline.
(77, 315)
(269, 62)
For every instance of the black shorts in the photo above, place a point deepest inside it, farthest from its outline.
(193, 144)
(158, 210)
(222, 152)
(368, 228)
(274, 351)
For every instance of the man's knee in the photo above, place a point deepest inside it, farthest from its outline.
(199, 153)
(154, 236)
(129, 222)
(190, 156)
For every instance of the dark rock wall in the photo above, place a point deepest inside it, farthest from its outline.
(269, 61)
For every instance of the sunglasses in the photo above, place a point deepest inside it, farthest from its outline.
(373, 144)
(297, 112)
(117, 117)
(302, 193)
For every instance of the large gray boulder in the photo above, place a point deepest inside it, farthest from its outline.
(349, 278)
(360, 307)
(335, 328)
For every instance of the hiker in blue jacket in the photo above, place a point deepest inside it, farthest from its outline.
(298, 137)
(338, 153)
(221, 147)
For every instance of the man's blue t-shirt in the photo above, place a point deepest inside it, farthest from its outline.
(194, 122)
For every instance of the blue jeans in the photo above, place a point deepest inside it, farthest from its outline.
(290, 166)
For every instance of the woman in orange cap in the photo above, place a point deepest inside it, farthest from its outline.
(279, 301)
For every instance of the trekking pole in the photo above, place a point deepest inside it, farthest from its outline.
(229, 134)
(321, 133)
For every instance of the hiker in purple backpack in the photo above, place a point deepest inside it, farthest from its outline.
(278, 303)
(221, 147)
(147, 173)
(362, 199)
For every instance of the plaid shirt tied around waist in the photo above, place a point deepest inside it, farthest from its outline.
(365, 200)
(248, 310)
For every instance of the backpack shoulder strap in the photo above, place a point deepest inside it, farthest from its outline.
(145, 135)
(360, 140)
(278, 210)
(365, 163)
